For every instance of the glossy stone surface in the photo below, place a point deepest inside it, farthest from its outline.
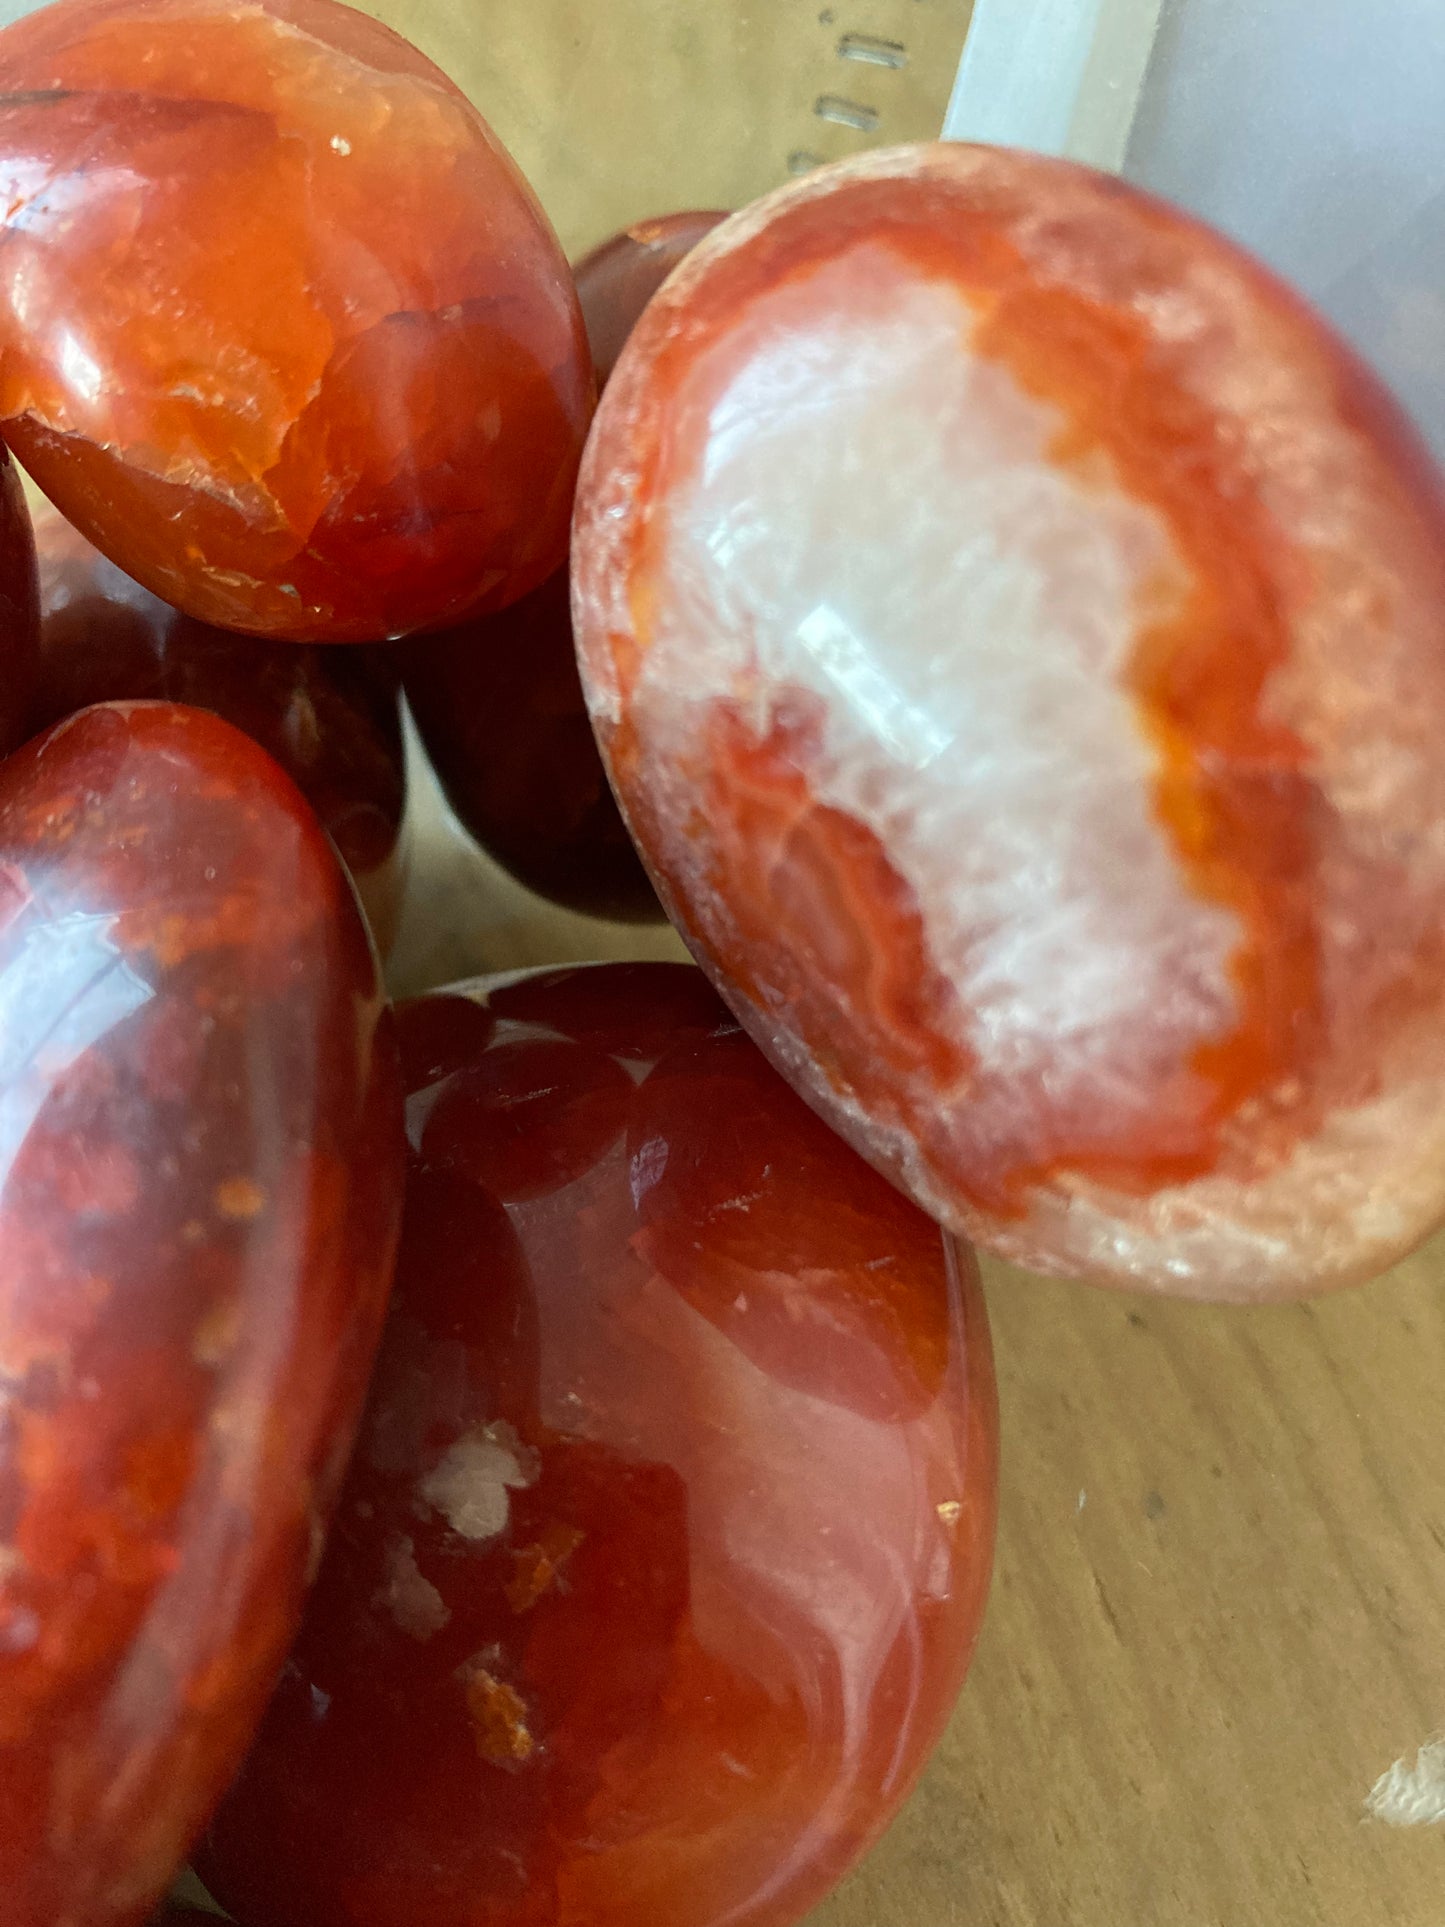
(498, 702)
(330, 717)
(282, 329)
(19, 609)
(1012, 623)
(664, 1550)
(201, 1159)
(499, 707)
(616, 281)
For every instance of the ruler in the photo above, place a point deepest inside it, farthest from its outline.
(621, 109)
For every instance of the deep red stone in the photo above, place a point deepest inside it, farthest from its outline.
(662, 1557)
(634, 1011)
(19, 609)
(1011, 620)
(498, 702)
(616, 280)
(330, 717)
(201, 1162)
(499, 707)
(282, 328)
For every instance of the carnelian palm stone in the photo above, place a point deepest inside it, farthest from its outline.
(665, 1546)
(330, 717)
(201, 1162)
(1013, 626)
(282, 329)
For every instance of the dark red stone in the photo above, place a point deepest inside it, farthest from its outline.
(499, 706)
(616, 281)
(200, 1174)
(330, 717)
(19, 609)
(499, 703)
(663, 1554)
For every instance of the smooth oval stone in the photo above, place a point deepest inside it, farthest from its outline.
(201, 1158)
(283, 330)
(1011, 619)
(666, 1543)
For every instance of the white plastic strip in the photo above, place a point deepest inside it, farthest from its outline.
(1058, 76)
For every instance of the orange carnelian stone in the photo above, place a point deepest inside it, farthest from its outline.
(330, 717)
(282, 329)
(664, 1549)
(498, 702)
(19, 609)
(201, 1162)
(1012, 621)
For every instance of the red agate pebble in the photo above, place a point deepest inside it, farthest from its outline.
(330, 717)
(19, 609)
(1012, 622)
(498, 702)
(617, 279)
(201, 1158)
(663, 1553)
(282, 329)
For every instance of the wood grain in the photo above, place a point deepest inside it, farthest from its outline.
(1215, 1621)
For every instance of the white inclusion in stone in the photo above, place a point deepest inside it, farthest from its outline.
(470, 1485)
(408, 1595)
(877, 520)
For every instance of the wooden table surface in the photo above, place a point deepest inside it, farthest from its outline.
(1217, 1612)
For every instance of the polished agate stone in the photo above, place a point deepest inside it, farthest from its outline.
(1011, 619)
(19, 609)
(201, 1164)
(498, 702)
(282, 329)
(663, 1553)
(330, 717)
